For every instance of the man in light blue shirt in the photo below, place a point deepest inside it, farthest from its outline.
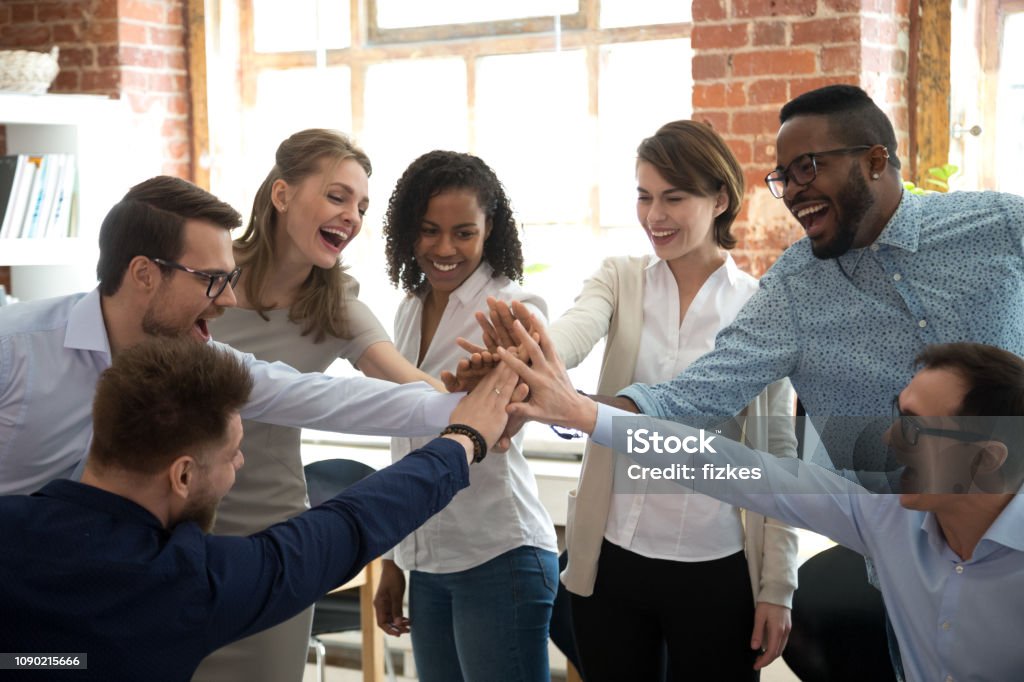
(166, 267)
(881, 274)
(949, 550)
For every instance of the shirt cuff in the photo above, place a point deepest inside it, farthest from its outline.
(437, 411)
(641, 396)
(602, 434)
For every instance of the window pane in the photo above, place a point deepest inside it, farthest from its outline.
(643, 12)
(642, 86)
(532, 126)
(411, 107)
(287, 101)
(1010, 108)
(410, 13)
(293, 26)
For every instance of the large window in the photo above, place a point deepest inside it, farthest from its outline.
(554, 94)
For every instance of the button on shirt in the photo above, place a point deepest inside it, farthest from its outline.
(947, 267)
(85, 570)
(668, 525)
(52, 352)
(956, 618)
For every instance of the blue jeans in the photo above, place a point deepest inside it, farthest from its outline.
(485, 624)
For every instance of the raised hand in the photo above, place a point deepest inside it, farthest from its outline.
(484, 408)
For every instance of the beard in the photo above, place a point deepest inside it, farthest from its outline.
(203, 514)
(852, 204)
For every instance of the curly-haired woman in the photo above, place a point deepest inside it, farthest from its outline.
(296, 305)
(483, 572)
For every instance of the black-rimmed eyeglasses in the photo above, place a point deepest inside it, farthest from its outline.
(803, 169)
(911, 429)
(217, 282)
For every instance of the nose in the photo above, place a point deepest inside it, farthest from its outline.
(226, 298)
(445, 246)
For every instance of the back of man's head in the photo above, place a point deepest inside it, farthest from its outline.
(993, 403)
(150, 220)
(854, 118)
(164, 398)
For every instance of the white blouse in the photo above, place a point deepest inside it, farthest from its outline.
(669, 524)
(500, 510)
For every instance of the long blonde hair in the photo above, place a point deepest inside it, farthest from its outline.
(319, 306)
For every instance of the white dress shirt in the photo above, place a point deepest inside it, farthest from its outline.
(673, 525)
(500, 510)
(52, 352)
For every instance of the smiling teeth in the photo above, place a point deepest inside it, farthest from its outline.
(341, 235)
(809, 210)
(445, 268)
(661, 234)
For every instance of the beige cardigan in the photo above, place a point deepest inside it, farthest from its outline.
(611, 305)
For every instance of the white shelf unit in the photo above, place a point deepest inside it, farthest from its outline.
(94, 129)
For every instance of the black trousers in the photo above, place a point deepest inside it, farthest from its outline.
(699, 614)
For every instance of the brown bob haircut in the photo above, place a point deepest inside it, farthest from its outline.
(690, 156)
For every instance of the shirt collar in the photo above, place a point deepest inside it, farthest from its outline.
(732, 271)
(469, 291)
(903, 231)
(86, 329)
(1008, 528)
(100, 500)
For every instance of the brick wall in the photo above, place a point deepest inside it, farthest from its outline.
(752, 56)
(130, 49)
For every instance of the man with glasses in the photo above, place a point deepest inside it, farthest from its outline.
(948, 550)
(166, 267)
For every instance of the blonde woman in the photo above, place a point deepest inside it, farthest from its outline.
(298, 306)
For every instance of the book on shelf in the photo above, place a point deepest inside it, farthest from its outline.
(37, 196)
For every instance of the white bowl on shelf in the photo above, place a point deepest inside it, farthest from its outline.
(27, 72)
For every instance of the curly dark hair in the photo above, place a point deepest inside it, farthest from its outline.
(426, 177)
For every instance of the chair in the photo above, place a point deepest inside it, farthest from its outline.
(838, 622)
(344, 610)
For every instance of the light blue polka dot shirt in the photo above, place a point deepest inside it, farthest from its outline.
(947, 267)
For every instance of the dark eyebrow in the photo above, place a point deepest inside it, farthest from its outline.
(348, 189)
(668, 191)
(454, 227)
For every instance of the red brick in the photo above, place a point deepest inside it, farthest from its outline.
(763, 62)
(708, 10)
(719, 36)
(709, 66)
(768, 91)
(102, 81)
(101, 32)
(899, 61)
(104, 9)
(5, 15)
(160, 82)
(134, 80)
(774, 8)
(709, 95)
(844, 58)
(894, 90)
(764, 150)
(718, 120)
(769, 33)
(59, 11)
(132, 33)
(176, 60)
(174, 128)
(843, 6)
(74, 57)
(826, 31)
(23, 13)
(13, 35)
(171, 36)
(741, 149)
(108, 55)
(755, 122)
(735, 95)
(143, 10)
(754, 177)
(883, 30)
(64, 34)
(178, 105)
(66, 81)
(142, 56)
(179, 150)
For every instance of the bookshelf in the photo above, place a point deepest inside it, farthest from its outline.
(95, 130)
